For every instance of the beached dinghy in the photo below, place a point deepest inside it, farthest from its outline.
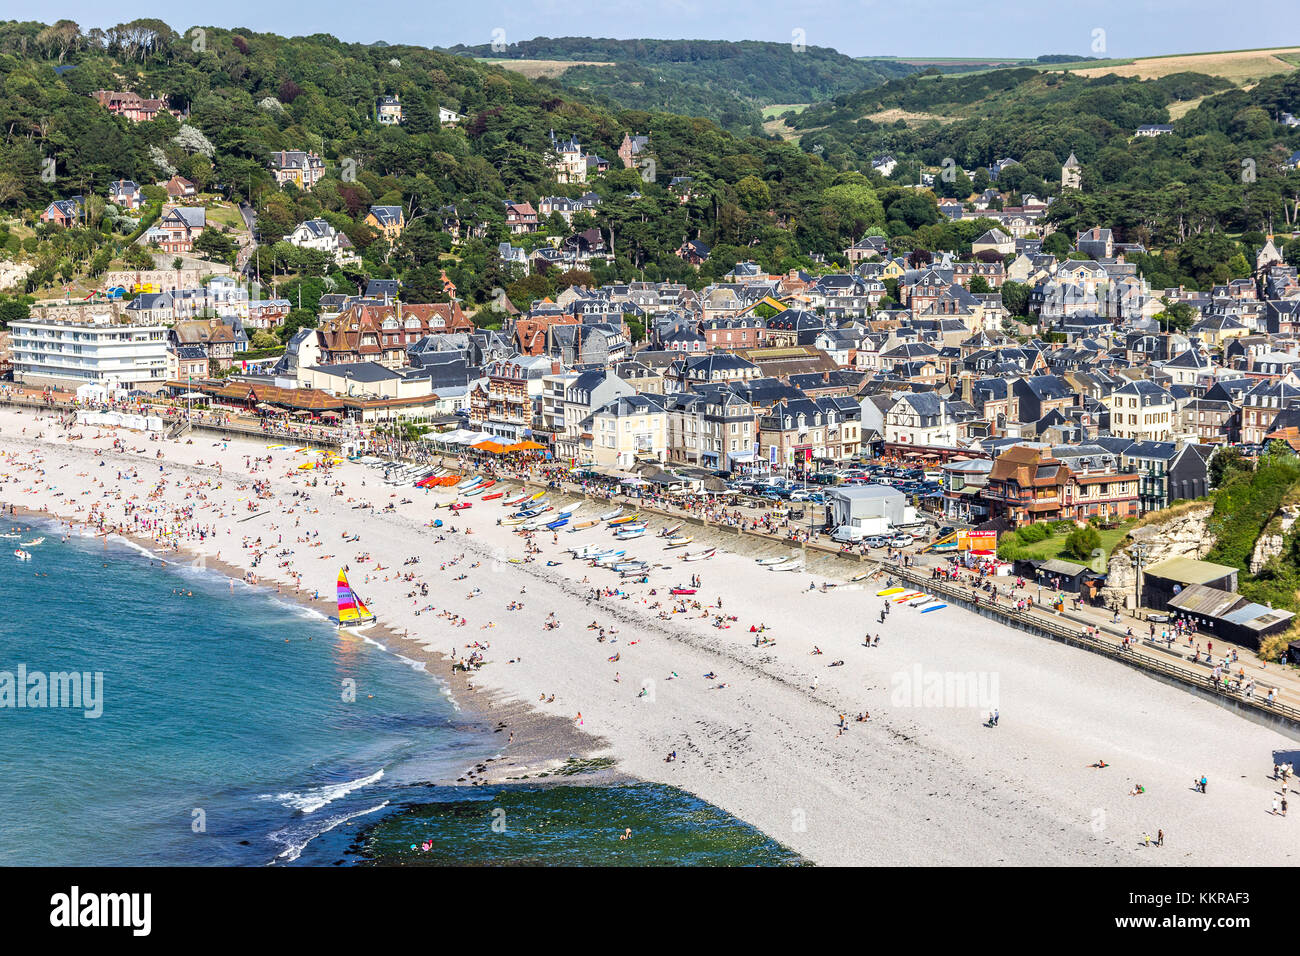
(611, 515)
(558, 523)
(791, 565)
(584, 525)
(494, 496)
(612, 558)
(679, 542)
(629, 533)
(768, 562)
(669, 531)
(469, 483)
(626, 519)
(862, 577)
(699, 555)
(512, 521)
(682, 591)
(517, 501)
(479, 489)
(352, 610)
(462, 505)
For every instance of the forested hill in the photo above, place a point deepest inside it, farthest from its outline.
(244, 95)
(726, 81)
(1222, 169)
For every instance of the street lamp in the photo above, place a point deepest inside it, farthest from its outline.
(1139, 561)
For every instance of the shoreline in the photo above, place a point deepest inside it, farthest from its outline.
(916, 784)
(543, 744)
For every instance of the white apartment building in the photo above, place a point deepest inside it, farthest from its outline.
(97, 349)
(1142, 411)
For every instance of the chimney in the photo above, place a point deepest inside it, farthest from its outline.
(968, 388)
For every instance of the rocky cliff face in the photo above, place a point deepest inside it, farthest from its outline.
(1184, 535)
(13, 275)
(1269, 544)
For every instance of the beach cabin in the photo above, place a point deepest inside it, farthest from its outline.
(1165, 580)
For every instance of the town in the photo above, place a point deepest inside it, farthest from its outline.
(890, 336)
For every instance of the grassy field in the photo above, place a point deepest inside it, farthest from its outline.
(776, 109)
(1237, 66)
(909, 117)
(1054, 546)
(225, 214)
(535, 69)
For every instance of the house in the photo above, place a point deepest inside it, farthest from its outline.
(885, 165)
(63, 212)
(632, 149)
(994, 240)
(320, 235)
(389, 221)
(521, 217)
(448, 117)
(178, 187)
(132, 106)
(694, 251)
(925, 419)
(390, 111)
(1141, 410)
(1096, 243)
(303, 169)
(180, 226)
(625, 430)
(125, 194)
(1154, 129)
(185, 363)
(1072, 173)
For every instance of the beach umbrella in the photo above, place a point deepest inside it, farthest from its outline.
(525, 446)
(491, 447)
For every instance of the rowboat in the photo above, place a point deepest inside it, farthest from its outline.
(611, 558)
(462, 505)
(512, 520)
(584, 525)
(558, 523)
(569, 509)
(479, 489)
(788, 566)
(699, 555)
(611, 515)
(678, 542)
(469, 483)
(629, 534)
(494, 496)
(768, 562)
(669, 531)
(888, 591)
(626, 519)
(515, 502)
(682, 591)
(622, 566)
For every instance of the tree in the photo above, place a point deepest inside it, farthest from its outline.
(1225, 462)
(1081, 542)
(1015, 298)
(979, 284)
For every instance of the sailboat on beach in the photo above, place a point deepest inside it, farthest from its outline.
(352, 610)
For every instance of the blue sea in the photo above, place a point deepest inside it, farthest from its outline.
(239, 728)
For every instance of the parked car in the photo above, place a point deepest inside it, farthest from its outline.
(877, 541)
(900, 540)
(945, 531)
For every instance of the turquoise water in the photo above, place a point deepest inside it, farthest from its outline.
(229, 735)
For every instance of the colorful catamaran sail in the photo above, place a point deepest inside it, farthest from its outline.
(352, 610)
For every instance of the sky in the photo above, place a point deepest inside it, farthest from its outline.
(1026, 28)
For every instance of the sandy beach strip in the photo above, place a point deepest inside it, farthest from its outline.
(924, 781)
